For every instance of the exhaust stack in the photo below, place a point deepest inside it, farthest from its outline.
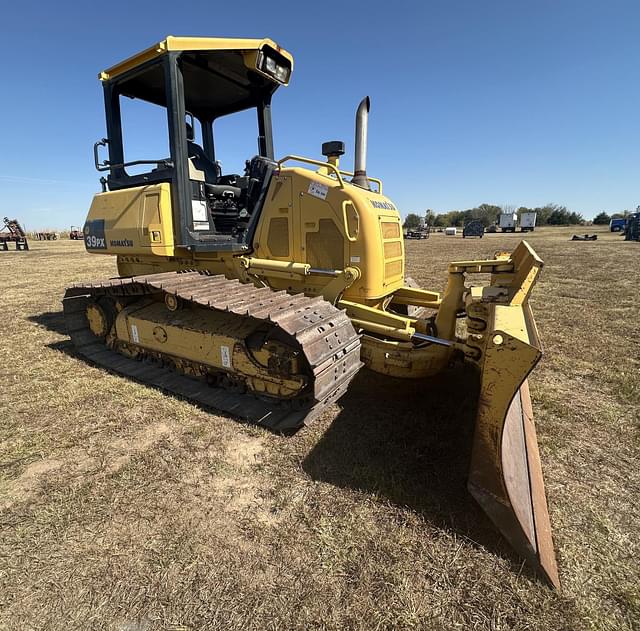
(360, 167)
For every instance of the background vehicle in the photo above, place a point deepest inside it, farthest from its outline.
(618, 224)
(13, 232)
(508, 222)
(418, 234)
(267, 291)
(474, 228)
(632, 227)
(75, 234)
(528, 221)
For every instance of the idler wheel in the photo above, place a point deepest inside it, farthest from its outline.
(101, 316)
(172, 302)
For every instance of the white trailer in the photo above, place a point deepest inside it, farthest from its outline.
(528, 222)
(508, 222)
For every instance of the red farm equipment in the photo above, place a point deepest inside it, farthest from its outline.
(12, 232)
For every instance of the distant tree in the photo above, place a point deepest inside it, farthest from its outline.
(576, 218)
(543, 213)
(556, 218)
(429, 217)
(620, 215)
(412, 222)
(601, 219)
(456, 217)
(559, 216)
(488, 214)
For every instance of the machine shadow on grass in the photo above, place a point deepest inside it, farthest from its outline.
(404, 440)
(50, 320)
(410, 442)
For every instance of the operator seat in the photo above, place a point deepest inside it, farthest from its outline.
(222, 198)
(201, 168)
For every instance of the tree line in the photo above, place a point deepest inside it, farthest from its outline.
(489, 214)
(604, 218)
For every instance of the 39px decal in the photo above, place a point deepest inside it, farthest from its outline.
(94, 238)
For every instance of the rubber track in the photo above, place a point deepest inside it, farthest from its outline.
(323, 333)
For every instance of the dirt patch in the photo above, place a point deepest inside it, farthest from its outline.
(29, 482)
(97, 458)
(121, 450)
(240, 485)
(244, 454)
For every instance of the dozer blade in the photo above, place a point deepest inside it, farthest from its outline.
(506, 473)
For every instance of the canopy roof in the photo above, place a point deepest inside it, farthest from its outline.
(220, 75)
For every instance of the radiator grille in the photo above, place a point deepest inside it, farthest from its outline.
(390, 230)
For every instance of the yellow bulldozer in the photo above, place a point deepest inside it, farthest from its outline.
(261, 294)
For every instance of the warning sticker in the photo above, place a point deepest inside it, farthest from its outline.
(199, 210)
(134, 334)
(226, 356)
(318, 190)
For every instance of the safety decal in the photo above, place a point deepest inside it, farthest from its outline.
(226, 356)
(318, 190)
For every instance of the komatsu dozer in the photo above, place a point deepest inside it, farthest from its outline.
(261, 294)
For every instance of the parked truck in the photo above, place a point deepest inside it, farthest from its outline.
(508, 222)
(528, 221)
(617, 224)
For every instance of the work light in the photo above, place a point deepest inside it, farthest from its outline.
(274, 68)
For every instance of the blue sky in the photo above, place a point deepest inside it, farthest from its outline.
(505, 102)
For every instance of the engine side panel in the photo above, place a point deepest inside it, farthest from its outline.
(133, 221)
(309, 218)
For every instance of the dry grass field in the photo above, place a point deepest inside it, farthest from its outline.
(126, 509)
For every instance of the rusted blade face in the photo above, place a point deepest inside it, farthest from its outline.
(506, 480)
(506, 473)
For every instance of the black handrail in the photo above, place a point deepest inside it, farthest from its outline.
(105, 165)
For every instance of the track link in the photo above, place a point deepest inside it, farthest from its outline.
(323, 333)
